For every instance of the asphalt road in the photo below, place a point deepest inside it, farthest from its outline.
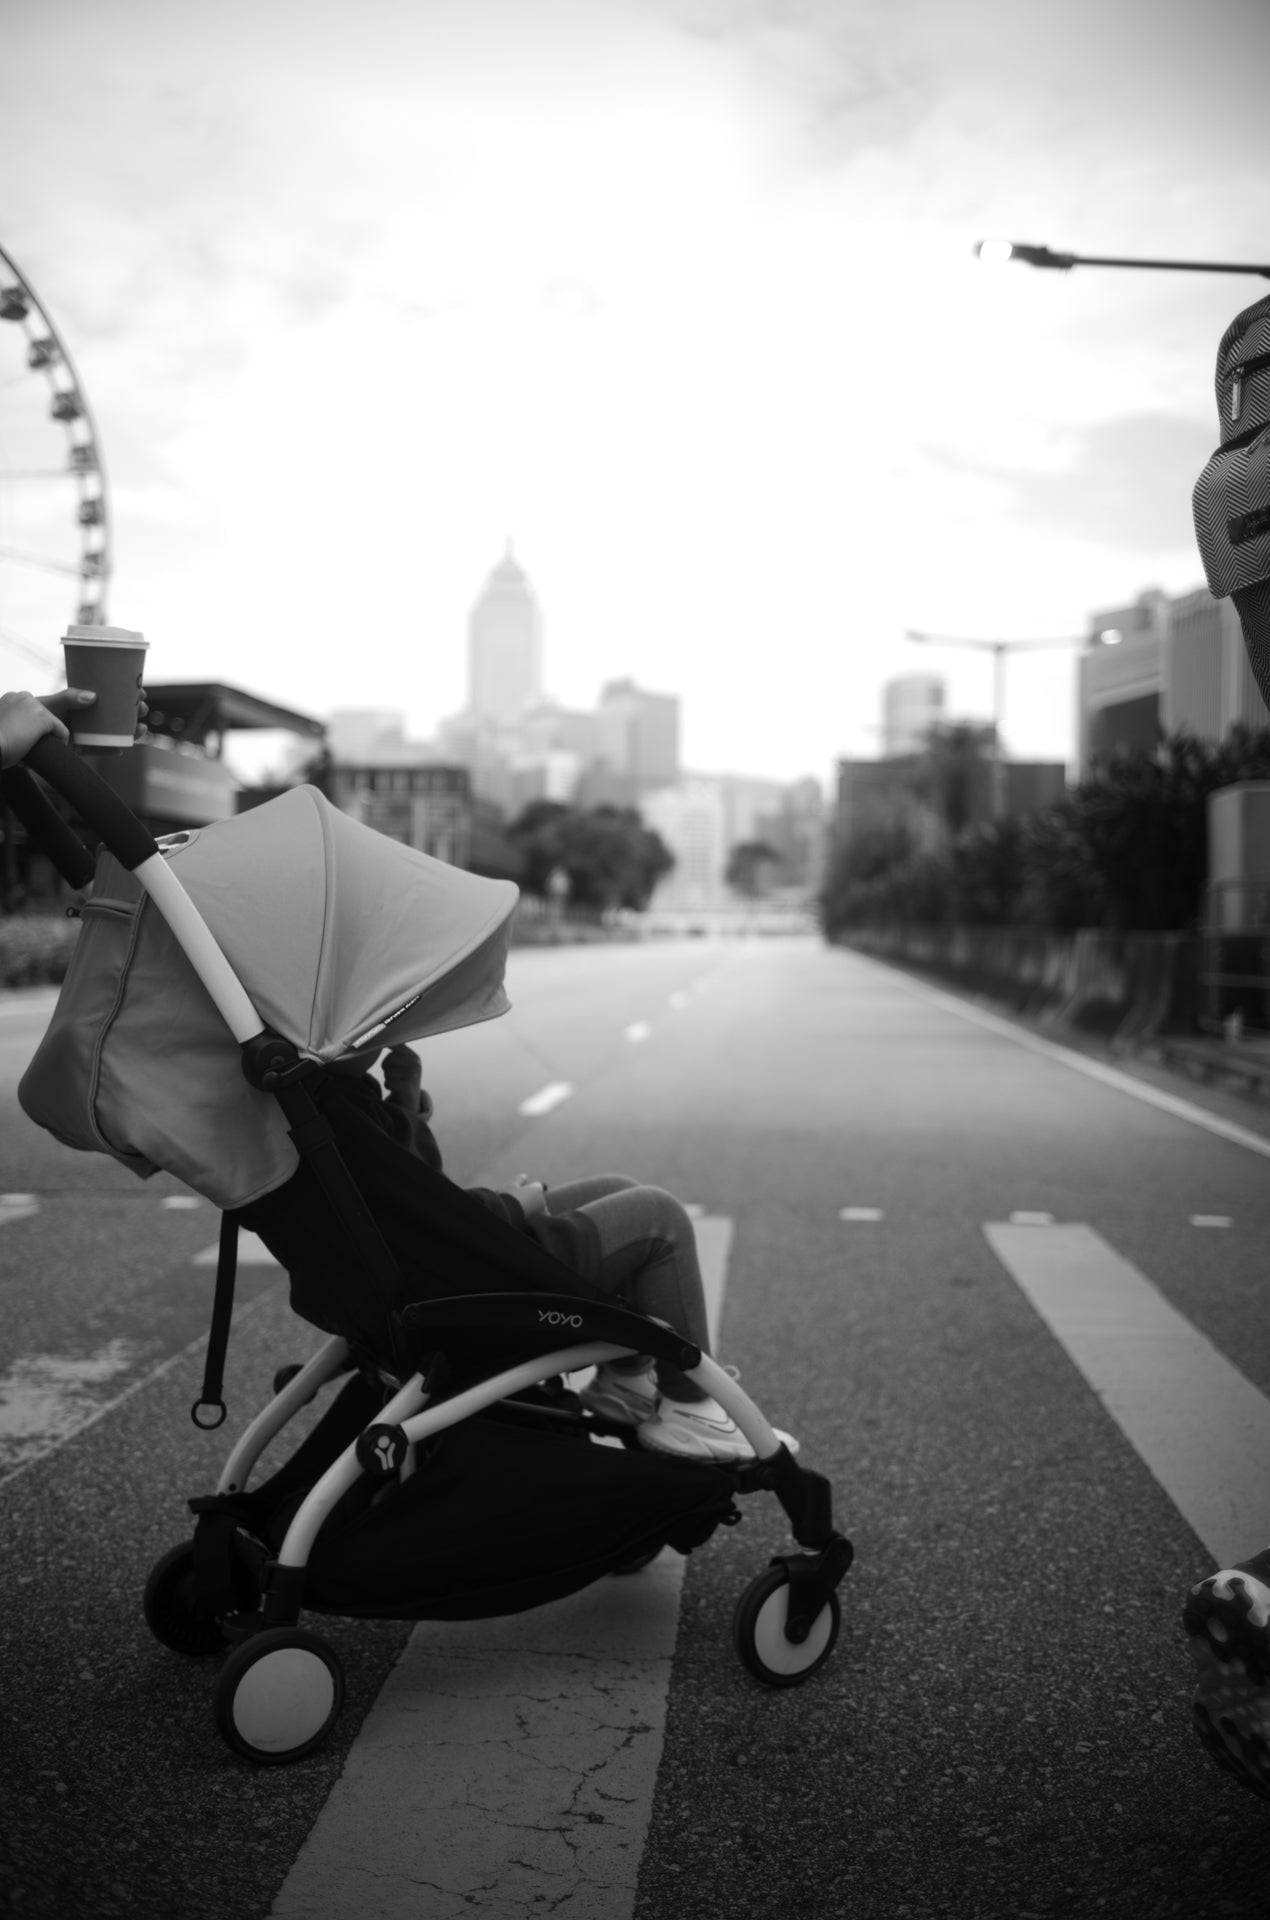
(1002, 1730)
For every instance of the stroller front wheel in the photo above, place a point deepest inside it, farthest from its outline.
(758, 1632)
(278, 1695)
(170, 1610)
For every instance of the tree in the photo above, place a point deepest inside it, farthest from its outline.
(612, 859)
(751, 868)
(956, 774)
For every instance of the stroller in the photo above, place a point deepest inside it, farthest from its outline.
(455, 1474)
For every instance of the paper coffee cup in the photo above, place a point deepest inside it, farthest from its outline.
(110, 662)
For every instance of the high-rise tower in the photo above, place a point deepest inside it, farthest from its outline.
(504, 632)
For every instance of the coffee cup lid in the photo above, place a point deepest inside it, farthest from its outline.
(105, 637)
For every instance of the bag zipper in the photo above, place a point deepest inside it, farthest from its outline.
(1244, 371)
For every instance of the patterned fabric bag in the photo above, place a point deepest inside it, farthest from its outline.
(1231, 500)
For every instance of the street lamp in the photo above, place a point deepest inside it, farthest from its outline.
(996, 252)
(998, 649)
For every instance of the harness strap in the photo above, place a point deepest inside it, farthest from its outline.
(211, 1395)
(315, 1142)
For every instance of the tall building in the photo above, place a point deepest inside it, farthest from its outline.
(912, 704)
(895, 797)
(423, 806)
(637, 741)
(504, 638)
(1163, 664)
(691, 818)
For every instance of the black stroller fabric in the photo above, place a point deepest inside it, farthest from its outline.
(497, 1517)
(444, 1242)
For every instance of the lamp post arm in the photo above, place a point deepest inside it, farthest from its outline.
(1169, 266)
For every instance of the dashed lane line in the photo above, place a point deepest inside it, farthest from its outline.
(508, 1765)
(17, 1206)
(1197, 1422)
(252, 1252)
(546, 1098)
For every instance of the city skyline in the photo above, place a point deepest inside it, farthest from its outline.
(349, 307)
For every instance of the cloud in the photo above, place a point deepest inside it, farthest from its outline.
(1125, 482)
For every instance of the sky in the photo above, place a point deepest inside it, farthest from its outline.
(679, 295)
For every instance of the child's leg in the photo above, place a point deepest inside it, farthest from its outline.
(648, 1255)
(580, 1193)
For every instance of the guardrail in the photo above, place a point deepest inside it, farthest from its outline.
(1233, 972)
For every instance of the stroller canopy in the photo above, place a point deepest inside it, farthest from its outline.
(339, 933)
(341, 937)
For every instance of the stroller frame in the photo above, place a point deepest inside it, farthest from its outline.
(280, 1689)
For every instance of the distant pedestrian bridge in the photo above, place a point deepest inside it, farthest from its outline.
(730, 922)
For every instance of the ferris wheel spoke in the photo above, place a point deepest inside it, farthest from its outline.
(73, 568)
(36, 473)
(27, 438)
(33, 653)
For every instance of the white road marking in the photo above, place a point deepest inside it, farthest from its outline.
(508, 1765)
(44, 1397)
(638, 1030)
(861, 1213)
(1199, 1424)
(1211, 1220)
(17, 1206)
(10, 1009)
(546, 1098)
(252, 1252)
(55, 1443)
(181, 1202)
(1095, 1070)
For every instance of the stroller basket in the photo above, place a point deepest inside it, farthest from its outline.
(454, 1475)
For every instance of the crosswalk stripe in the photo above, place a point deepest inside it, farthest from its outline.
(509, 1765)
(252, 1252)
(1199, 1424)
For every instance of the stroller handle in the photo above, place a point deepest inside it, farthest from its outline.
(96, 804)
(135, 848)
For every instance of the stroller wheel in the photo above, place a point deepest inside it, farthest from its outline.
(278, 1695)
(168, 1604)
(758, 1632)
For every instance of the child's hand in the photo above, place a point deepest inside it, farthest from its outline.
(403, 1077)
(532, 1194)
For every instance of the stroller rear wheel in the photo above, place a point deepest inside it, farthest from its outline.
(758, 1632)
(278, 1695)
(169, 1606)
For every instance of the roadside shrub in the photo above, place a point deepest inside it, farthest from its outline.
(35, 949)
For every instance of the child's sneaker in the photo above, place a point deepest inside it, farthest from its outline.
(700, 1430)
(628, 1399)
(1227, 1619)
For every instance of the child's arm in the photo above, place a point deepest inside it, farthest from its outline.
(403, 1081)
(402, 1089)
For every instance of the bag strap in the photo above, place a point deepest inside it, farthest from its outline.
(211, 1395)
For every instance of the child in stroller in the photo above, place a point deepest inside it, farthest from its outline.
(219, 984)
(635, 1242)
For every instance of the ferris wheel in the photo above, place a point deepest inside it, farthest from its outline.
(54, 502)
